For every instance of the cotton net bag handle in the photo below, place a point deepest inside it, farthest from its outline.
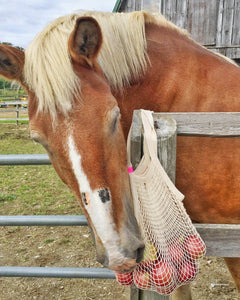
(150, 155)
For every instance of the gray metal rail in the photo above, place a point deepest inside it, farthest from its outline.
(54, 272)
(24, 159)
(58, 220)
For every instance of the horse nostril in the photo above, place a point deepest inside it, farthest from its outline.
(140, 252)
(102, 259)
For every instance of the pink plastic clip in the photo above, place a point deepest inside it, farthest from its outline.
(130, 170)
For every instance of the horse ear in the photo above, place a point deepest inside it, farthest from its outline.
(11, 63)
(85, 40)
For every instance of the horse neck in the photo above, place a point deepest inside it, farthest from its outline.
(183, 76)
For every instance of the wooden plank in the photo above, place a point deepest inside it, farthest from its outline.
(133, 5)
(236, 24)
(147, 5)
(224, 47)
(227, 22)
(166, 129)
(211, 23)
(205, 124)
(159, 5)
(169, 9)
(181, 16)
(130, 5)
(233, 52)
(202, 21)
(172, 10)
(136, 139)
(195, 15)
(134, 293)
(147, 295)
(136, 155)
(221, 50)
(138, 5)
(150, 5)
(219, 22)
(222, 240)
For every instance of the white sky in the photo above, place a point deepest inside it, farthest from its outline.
(21, 20)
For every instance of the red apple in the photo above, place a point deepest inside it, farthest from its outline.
(167, 290)
(187, 272)
(163, 273)
(142, 279)
(195, 247)
(177, 254)
(124, 278)
(145, 266)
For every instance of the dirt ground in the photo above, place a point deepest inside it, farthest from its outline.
(71, 247)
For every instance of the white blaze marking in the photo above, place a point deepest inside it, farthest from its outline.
(99, 212)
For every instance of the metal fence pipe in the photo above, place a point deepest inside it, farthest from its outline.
(58, 220)
(14, 119)
(54, 272)
(24, 159)
(13, 102)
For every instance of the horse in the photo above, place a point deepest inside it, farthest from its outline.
(85, 74)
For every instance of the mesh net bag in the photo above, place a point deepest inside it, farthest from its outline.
(173, 247)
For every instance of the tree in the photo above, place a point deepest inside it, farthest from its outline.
(6, 43)
(20, 48)
(10, 44)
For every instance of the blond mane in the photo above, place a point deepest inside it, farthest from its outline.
(123, 57)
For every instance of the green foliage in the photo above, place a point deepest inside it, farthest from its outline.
(4, 84)
(6, 43)
(10, 44)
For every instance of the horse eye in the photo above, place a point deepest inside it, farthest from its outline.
(38, 139)
(115, 117)
(35, 136)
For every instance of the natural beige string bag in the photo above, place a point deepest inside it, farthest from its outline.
(173, 247)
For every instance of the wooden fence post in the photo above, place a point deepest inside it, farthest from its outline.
(17, 112)
(166, 132)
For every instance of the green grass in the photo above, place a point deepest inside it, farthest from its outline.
(30, 189)
(14, 122)
(5, 93)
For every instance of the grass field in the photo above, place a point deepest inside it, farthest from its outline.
(6, 93)
(30, 189)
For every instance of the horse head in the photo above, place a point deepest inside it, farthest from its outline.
(78, 123)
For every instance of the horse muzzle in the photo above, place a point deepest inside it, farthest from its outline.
(121, 247)
(124, 253)
(120, 260)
